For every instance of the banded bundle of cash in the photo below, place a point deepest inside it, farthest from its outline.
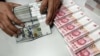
(35, 25)
(81, 34)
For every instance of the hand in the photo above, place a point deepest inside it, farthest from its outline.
(7, 17)
(52, 7)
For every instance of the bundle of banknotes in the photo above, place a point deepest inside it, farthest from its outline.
(34, 21)
(80, 33)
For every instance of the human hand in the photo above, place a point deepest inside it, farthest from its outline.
(7, 18)
(52, 7)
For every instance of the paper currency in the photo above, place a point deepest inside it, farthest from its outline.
(30, 33)
(92, 50)
(78, 30)
(63, 11)
(69, 18)
(23, 13)
(34, 22)
(67, 28)
(69, 3)
(84, 42)
(83, 31)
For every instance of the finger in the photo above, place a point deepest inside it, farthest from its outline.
(14, 4)
(52, 19)
(5, 25)
(56, 8)
(50, 12)
(13, 18)
(43, 6)
(1, 17)
(7, 30)
(13, 28)
(1, 26)
(9, 25)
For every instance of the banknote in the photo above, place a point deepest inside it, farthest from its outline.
(77, 34)
(29, 33)
(34, 22)
(67, 28)
(92, 50)
(84, 42)
(78, 30)
(64, 10)
(23, 13)
(68, 19)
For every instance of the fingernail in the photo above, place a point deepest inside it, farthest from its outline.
(15, 35)
(22, 25)
(19, 32)
(43, 11)
(47, 23)
(50, 23)
(1, 26)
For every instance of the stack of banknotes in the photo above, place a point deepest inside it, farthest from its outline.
(34, 21)
(80, 33)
